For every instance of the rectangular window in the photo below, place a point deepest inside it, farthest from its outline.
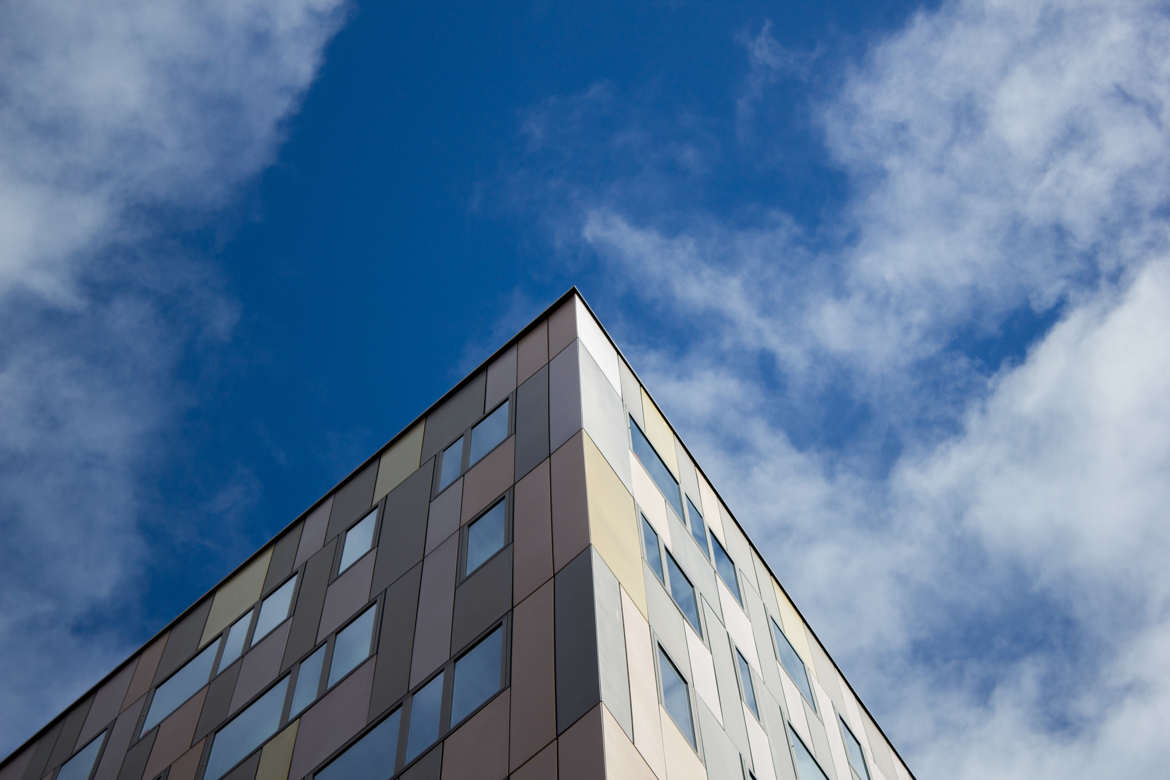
(274, 609)
(370, 758)
(656, 468)
(308, 681)
(81, 765)
(180, 686)
(726, 569)
(234, 644)
(792, 664)
(745, 683)
(854, 752)
(352, 645)
(675, 696)
(683, 593)
(451, 463)
(807, 767)
(425, 708)
(486, 536)
(488, 433)
(653, 553)
(246, 732)
(358, 541)
(479, 675)
(698, 527)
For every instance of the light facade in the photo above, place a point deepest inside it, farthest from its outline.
(533, 580)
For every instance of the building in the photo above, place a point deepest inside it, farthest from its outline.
(533, 580)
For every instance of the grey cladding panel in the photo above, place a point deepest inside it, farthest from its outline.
(694, 564)
(404, 528)
(217, 703)
(106, 703)
(67, 738)
(352, 500)
(457, 413)
(283, 555)
(774, 721)
(666, 622)
(482, 599)
(578, 689)
(303, 631)
(769, 666)
(136, 758)
(631, 393)
(118, 741)
(603, 417)
(611, 645)
(392, 674)
(41, 751)
(820, 745)
(532, 422)
(726, 682)
(564, 390)
(722, 757)
(182, 641)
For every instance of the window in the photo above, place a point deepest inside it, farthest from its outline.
(451, 463)
(675, 696)
(653, 554)
(425, 708)
(683, 593)
(479, 674)
(655, 467)
(486, 536)
(246, 732)
(698, 527)
(358, 541)
(180, 686)
(726, 569)
(274, 609)
(807, 767)
(81, 765)
(792, 664)
(746, 689)
(352, 645)
(488, 433)
(370, 758)
(854, 752)
(308, 681)
(234, 644)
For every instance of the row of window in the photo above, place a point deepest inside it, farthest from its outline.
(247, 630)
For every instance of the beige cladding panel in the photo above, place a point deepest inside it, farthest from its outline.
(276, 757)
(650, 500)
(236, 595)
(758, 742)
(622, 759)
(711, 511)
(682, 763)
(613, 530)
(643, 687)
(399, 461)
(793, 625)
(659, 434)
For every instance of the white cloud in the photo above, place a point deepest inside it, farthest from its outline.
(122, 123)
(1008, 603)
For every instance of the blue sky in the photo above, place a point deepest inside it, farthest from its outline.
(897, 272)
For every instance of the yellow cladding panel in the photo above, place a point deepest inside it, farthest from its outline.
(622, 759)
(399, 461)
(659, 434)
(612, 527)
(793, 626)
(236, 595)
(277, 754)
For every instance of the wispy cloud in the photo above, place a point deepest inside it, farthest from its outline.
(122, 124)
(990, 499)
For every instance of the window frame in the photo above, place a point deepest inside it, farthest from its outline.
(694, 594)
(465, 536)
(375, 631)
(464, 436)
(742, 667)
(673, 501)
(846, 735)
(812, 756)
(717, 548)
(777, 634)
(376, 513)
(471, 432)
(659, 570)
(693, 513)
(687, 687)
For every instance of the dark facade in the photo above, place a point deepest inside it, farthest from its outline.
(533, 580)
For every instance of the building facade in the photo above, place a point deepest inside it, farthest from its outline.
(534, 580)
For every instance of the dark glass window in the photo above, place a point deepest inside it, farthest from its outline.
(854, 752)
(726, 569)
(807, 767)
(675, 697)
(653, 553)
(451, 463)
(745, 683)
(274, 609)
(698, 527)
(683, 593)
(656, 468)
(81, 765)
(488, 433)
(486, 536)
(370, 758)
(358, 541)
(792, 664)
(234, 644)
(308, 680)
(478, 675)
(246, 732)
(425, 708)
(352, 645)
(180, 686)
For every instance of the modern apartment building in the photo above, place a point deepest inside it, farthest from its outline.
(533, 580)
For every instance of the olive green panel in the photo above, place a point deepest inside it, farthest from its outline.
(399, 461)
(236, 595)
(276, 756)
